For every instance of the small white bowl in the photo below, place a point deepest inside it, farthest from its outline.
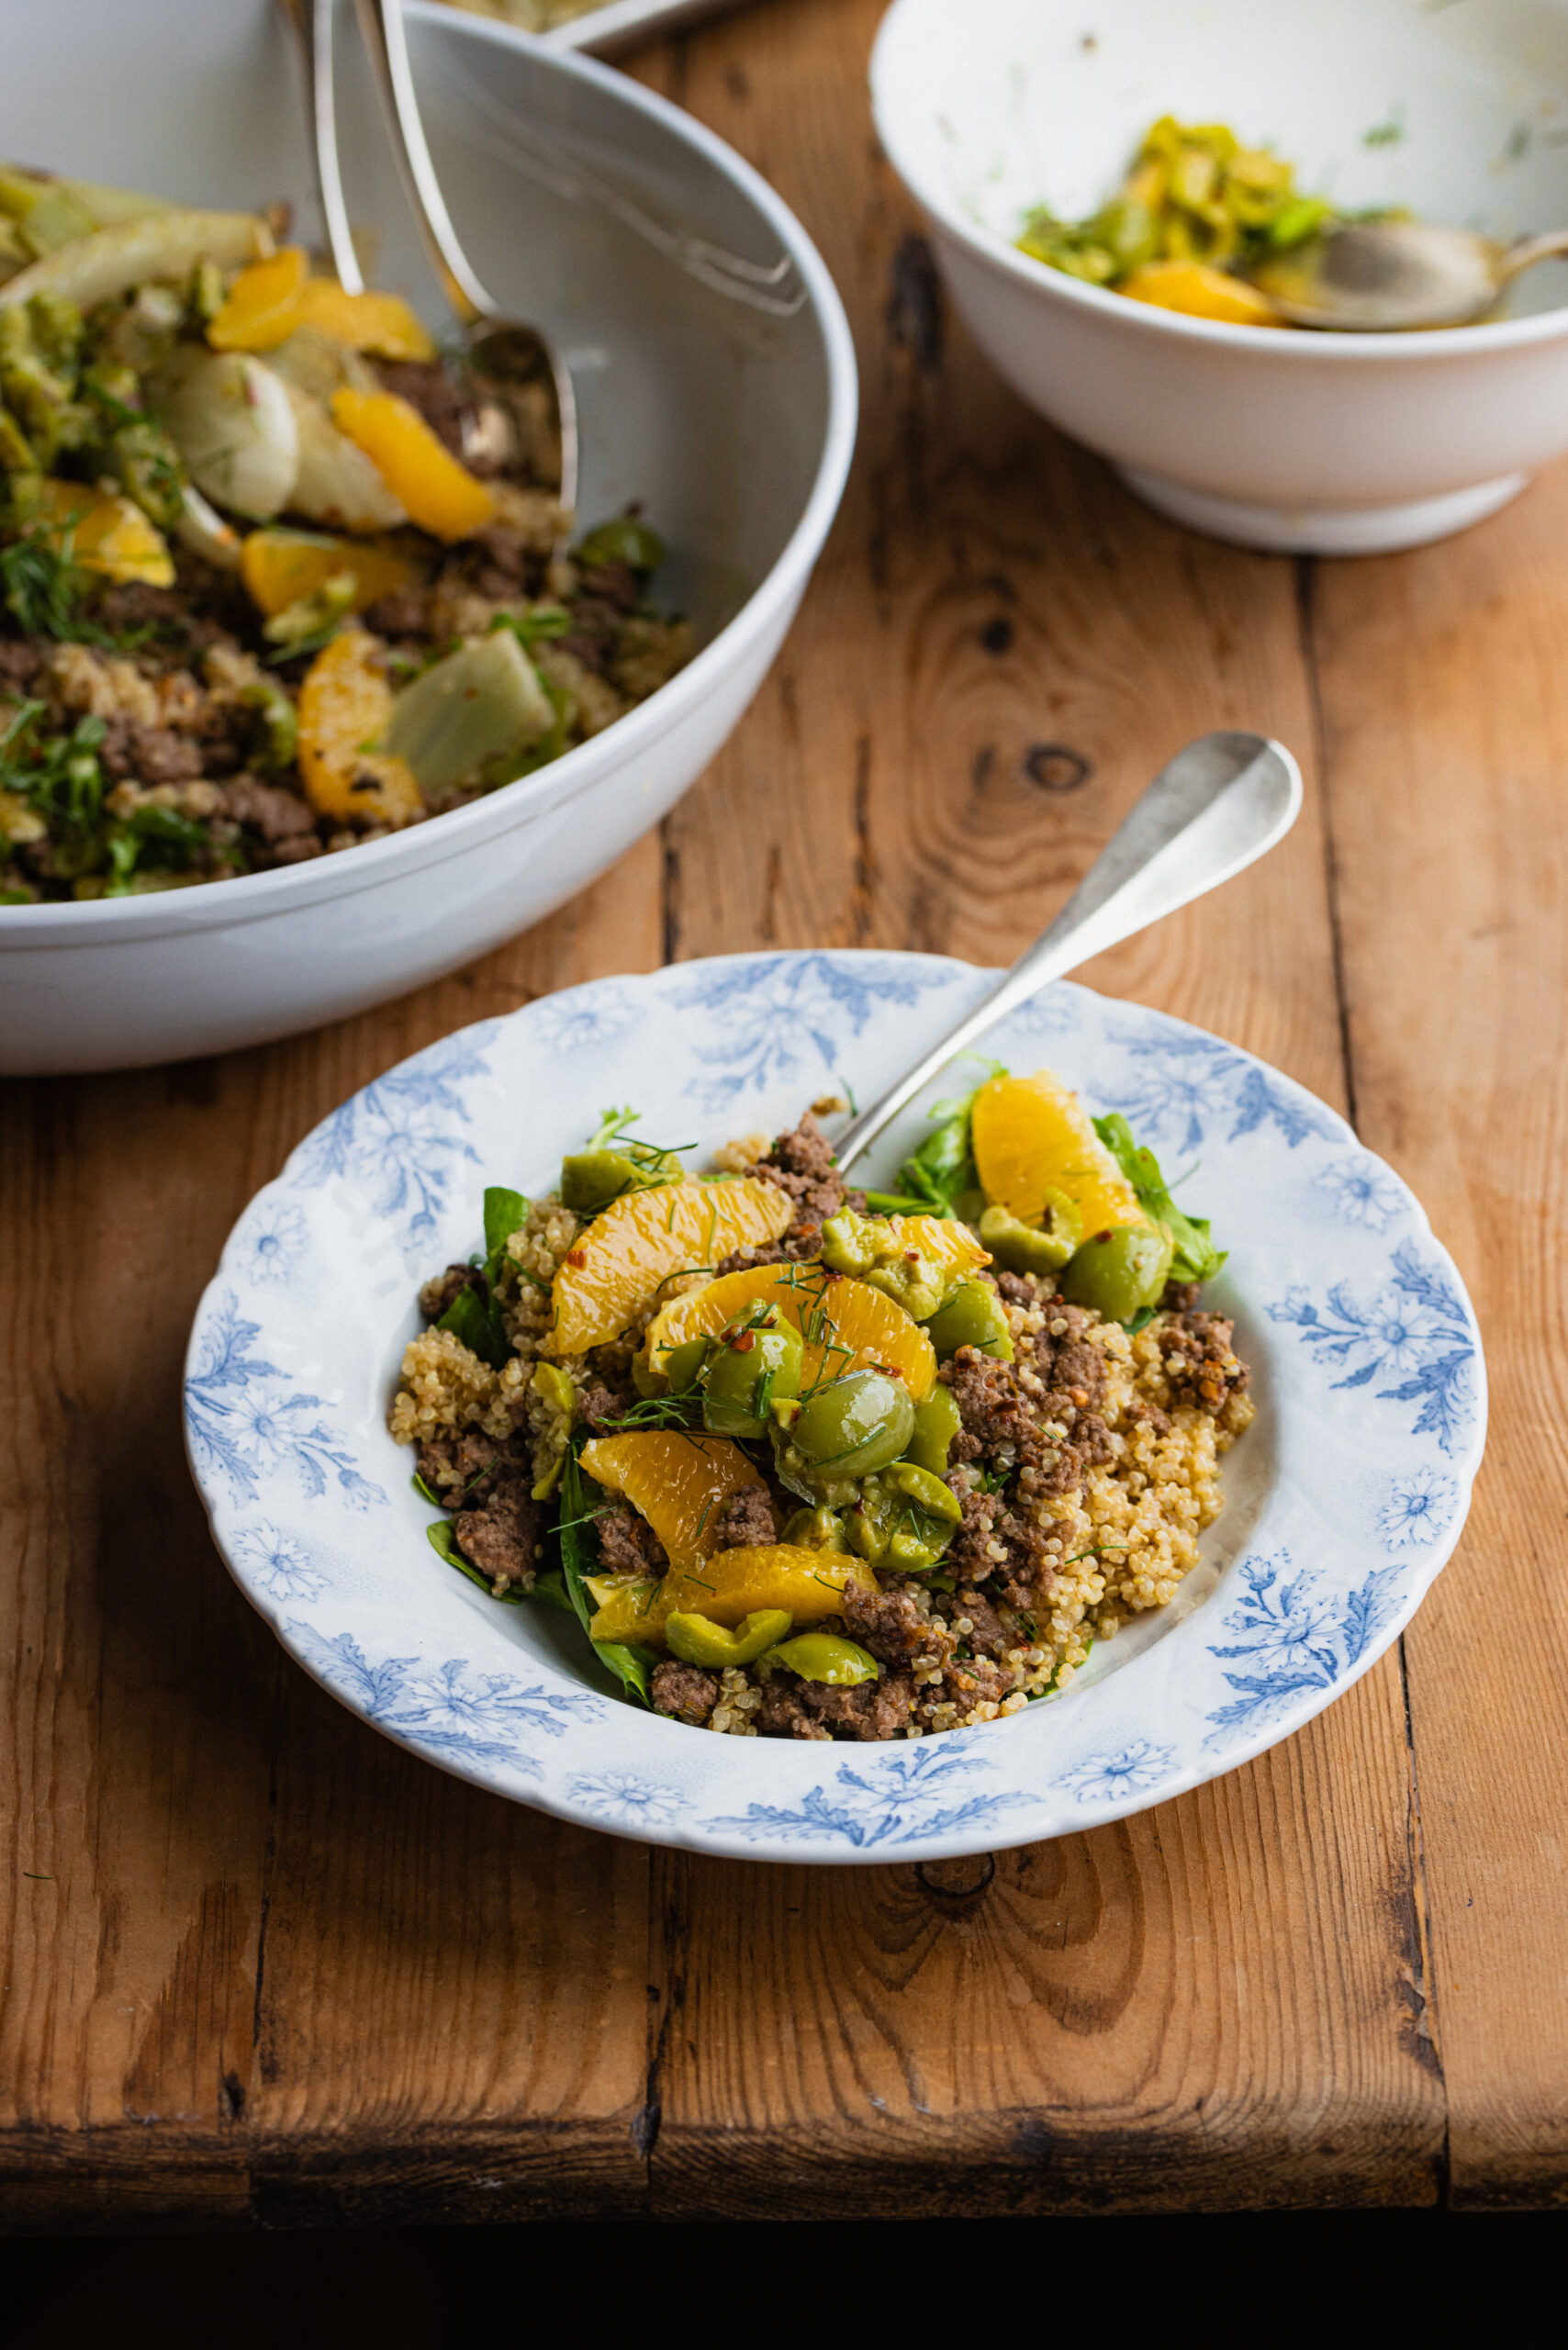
(725, 400)
(1333, 444)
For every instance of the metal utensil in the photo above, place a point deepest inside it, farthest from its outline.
(1382, 276)
(1218, 806)
(508, 348)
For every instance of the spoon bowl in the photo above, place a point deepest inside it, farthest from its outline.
(1390, 276)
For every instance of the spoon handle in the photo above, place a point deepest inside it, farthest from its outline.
(1529, 250)
(381, 24)
(311, 23)
(1220, 804)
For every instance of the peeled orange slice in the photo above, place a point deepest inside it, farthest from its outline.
(643, 1239)
(283, 567)
(678, 1482)
(1033, 1135)
(809, 1584)
(847, 1326)
(946, 1242)
(345, 705)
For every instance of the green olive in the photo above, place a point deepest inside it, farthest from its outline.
(683, 1365)
(749, 1370)
(914, 1282)
(971, 1317)
(1120, 1272)
(624, 540)
(825, 1656)
(591, 1178)
(850, 1242)
(937, 1423)
(1042, 1247)
(816, 1529)
(920, 1486)
(696, 1640)
(853, 1426)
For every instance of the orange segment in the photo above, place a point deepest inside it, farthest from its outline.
(282, 567)
(379, 323)
(441, 496)
(942, 1239)
(679, 1482)
(344, 704)
(642, 1239)
(108, 533)
(262, 307)
(1201, 291)
(1033, 1135)
(809, 1584)
(846, 1325)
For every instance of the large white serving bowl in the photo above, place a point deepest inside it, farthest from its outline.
(716, 382)
(1334, 444)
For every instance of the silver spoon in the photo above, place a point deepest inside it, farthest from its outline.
(1384, 276)
(508, 348)
(1218, 805)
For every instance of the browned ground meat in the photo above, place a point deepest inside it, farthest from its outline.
(993, 1408)
(977, 1682)
(446, 1288)
(988, 1634)
(1199, 1361)
(463, 1471)
(267, 809)
(602, 1406)
(686, 1690)
(793, 1708)
(628, 1545)
(888, 1623)
(746, 1520)
(799, 1163)
(503, 1538)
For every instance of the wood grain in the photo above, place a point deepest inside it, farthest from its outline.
(1446, 700)
(262, 1968)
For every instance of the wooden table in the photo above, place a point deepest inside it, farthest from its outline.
(261, 1966)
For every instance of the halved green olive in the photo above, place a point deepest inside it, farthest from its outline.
(751, 1369)
(1121, 1272)
(853, 1426)
(937, 1423)
(1042, 1247)
(971, 1317)
(591, 1178)
(825, 1656)
(695, 1640)
(814, 1529)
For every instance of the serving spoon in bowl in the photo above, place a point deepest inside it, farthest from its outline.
(1389, 276)
(508, 348)
(1217, 807)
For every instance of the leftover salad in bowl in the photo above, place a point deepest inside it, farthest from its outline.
(277, 576)
(809, 1462)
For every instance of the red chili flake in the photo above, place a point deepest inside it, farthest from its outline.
(577, 1257)
(744, 1341)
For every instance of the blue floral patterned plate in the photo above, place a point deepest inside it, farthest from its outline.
(1345, 1497)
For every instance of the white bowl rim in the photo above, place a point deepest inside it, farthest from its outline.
(1340, 349)
(252, 897)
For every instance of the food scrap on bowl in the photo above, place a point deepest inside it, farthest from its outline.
(277, 577)
(809, 1462)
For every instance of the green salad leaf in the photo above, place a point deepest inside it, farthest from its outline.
(1197, 1258)
(632, 1666)
(940, 1178)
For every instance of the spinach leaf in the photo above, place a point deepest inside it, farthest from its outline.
(477, 1323)
(1197, 1258)
(505, 1213)
(443, 1542)
(551, 1588)
(633, 1667)
(940, 1176)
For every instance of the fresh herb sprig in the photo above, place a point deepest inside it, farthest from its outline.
(1197, 1258)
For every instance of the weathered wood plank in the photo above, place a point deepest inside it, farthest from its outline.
(1212, 2004)
(1446, 705)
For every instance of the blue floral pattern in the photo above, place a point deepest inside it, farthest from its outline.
(918, 1790)
(1349, 1309)
(1181, 1085)
(1294, 1635)
(773, 1015)
(457, 1713)
(246, 1422)
(1420, 1510)
(1414, 1331)
(396, 1142)
(622, 1799)
(1131, 1770)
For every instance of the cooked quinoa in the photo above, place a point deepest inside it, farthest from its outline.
(1082, 1460)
